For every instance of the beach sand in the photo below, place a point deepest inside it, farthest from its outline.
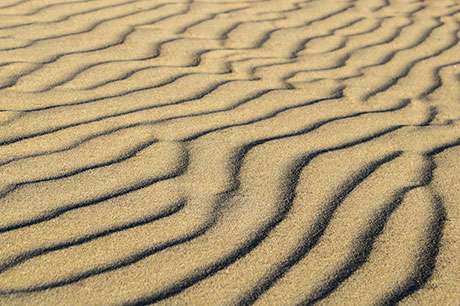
(229, 152)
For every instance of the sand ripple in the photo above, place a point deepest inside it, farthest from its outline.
(229, 152)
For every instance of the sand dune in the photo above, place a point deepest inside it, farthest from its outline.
(229, 152)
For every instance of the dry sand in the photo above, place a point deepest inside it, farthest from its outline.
(229, 152)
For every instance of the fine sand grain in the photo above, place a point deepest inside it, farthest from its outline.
(230, 152)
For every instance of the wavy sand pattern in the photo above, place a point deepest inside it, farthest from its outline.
(229, 152)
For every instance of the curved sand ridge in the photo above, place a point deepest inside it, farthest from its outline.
(229, 152)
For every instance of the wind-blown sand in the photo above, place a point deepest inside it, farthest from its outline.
(229, 152)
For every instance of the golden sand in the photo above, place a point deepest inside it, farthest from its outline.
(229, 152)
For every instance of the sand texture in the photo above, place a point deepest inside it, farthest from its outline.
(230, 152)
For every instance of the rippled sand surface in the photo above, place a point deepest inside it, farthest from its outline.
(229, 152)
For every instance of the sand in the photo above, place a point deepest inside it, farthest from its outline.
(229, 152)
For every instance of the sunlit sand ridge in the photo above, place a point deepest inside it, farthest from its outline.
(229, 152)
